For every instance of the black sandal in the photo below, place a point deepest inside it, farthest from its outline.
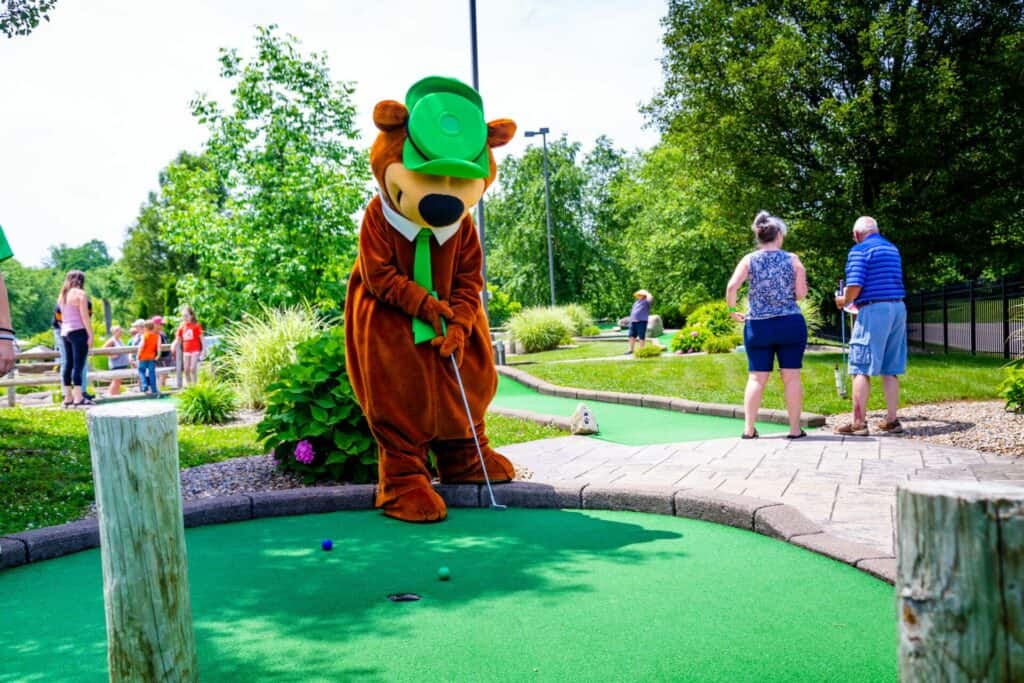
(750, 436)
(801, 435)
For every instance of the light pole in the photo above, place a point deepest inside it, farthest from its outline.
(543, 133)
(480, 205)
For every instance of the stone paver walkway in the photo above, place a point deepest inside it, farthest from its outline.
(845, 484)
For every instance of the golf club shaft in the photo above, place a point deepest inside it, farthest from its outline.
(472, 427)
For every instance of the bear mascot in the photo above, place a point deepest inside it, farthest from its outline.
(413, 299)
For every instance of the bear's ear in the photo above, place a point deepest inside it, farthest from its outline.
(389, 115)
(500, 131)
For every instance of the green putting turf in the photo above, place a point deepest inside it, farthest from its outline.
(630, 425)
(553, 595)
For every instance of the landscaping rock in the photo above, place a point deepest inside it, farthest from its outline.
(655, 328)
(524, 494)
(56, 541)
(312, 500)
(657, 500)
(12, 553)
(722, 508)
(583, 421)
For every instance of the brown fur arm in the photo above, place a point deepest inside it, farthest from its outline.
(377, 266)
(467, 280)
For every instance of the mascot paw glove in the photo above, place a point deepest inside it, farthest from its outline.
(432, 311)
(454, 342)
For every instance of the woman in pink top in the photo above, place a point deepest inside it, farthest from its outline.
(76, 335)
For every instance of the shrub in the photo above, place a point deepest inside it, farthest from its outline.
(724, 344)
(1012, 387)
(577, 318)
(591, 331)
(500, 306)
(650, 350)
(714, 317)
(539, 328)
(313, 423)
(259, 346)
(690, 338)
(208, 402)
(672, 316)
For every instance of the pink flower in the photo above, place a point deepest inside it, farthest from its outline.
(304, 452)
(693, 334)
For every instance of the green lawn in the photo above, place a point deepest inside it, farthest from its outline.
(46, 473)
(721, 379)
(596, 349)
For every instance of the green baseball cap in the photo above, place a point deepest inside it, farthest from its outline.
(447, 131)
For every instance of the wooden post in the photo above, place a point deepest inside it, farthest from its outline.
(960, 581)
(134, 448)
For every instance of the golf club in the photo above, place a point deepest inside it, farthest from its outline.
(841, 374)
(472, 427)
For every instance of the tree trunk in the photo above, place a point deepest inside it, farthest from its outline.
(960, 581)
(142, 539)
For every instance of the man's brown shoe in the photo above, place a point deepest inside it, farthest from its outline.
(852, 429)
(893, 427)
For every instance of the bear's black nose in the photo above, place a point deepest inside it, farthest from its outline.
(441, 209)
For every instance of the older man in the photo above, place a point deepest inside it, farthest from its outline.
(7, 349)
(878, 346)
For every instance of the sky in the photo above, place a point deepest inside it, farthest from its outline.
(94, 103)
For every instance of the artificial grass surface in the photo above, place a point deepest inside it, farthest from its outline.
(630, 425)
(535, 594)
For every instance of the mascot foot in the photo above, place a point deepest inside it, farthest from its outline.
(463, 467)
(421, 504)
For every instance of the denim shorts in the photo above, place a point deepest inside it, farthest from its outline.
(784, 336)
(878, 345)
(638, 329)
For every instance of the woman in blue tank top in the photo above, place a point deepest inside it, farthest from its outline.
(773, 324)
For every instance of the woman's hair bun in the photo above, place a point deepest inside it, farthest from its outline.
(767, 227)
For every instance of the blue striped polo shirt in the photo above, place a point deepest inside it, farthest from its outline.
(875, 265)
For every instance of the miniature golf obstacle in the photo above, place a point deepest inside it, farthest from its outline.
(134, 448)
(960, 581)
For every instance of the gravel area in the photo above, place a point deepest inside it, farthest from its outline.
(977, 425)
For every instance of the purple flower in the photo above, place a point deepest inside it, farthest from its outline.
(304, 452)
(693, 334)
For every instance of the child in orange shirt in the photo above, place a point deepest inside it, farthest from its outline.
(149, 349)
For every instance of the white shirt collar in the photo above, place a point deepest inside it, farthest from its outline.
(410, 230)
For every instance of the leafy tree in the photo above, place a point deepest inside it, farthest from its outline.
(821, 111)
(517, 227)
(21, 17)
(283, 151)
(93, 254)
(152, 265)
(33, 293)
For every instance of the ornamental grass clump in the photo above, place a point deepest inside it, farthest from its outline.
(651, 349)
(206, 403)
(313, 423)
(540, 328)
(259, 346)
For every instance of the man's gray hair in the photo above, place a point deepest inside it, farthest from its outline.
(865, 225)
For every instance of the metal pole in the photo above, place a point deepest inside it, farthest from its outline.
(1006, 318)
(970, 291)
(547, 210)
(945, 321)
(480, 204)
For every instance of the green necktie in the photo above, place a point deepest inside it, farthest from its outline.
(422, 331)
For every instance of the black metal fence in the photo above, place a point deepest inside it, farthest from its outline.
(978, 316)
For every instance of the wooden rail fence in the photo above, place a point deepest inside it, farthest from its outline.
(41, 368)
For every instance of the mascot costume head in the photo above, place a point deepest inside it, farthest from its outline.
(414, 297)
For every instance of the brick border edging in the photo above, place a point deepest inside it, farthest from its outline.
(681, 405)
(769, 518)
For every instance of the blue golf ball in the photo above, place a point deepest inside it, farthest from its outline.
(327, 544)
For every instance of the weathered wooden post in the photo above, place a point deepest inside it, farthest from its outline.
(960, 581)
(134, 449)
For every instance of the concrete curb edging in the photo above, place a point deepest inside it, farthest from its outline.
(765, 517)
(647, 401)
